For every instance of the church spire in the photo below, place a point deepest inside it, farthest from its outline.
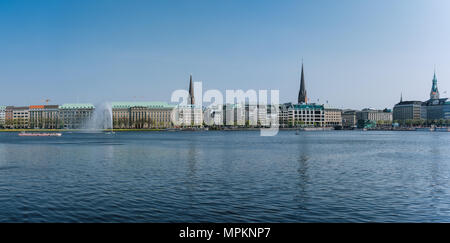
(434, 94)
(302, 98)
(191, 92)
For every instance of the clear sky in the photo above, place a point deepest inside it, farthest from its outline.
(357, 53)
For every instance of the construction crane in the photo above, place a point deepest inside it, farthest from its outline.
(46, 101)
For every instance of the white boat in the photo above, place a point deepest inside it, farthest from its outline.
(40, 134)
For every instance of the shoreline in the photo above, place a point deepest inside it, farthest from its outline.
(325, 129)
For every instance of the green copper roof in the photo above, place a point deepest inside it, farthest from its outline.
(77, 106)
(151, 105)
(2, 107)
(308, 106)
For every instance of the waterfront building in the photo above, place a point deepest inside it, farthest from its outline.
(251, 115)
(2, 115)
(9, 116)
(141, 114)
(333, 117)
(435, 108)
(20, 117)
(213, 115)
(407, 110)
(44, 116)
(302, 115)
(308, 114)
(187, 116)
(263, 115)
(75, 116)
(284, 114)
(349, 118)
(248, 115)
(268, 115)
(377, 117)
(140, 117)
(234, 115)
(190, 114)
(446, 111)
(121, 116)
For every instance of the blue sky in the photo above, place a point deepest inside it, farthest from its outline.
(357, 53)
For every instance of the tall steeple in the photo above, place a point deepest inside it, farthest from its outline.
(434, 94)
(302, 98)
(191, 99)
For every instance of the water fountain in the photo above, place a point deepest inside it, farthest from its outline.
(101, 119)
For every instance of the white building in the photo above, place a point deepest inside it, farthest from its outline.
(2, 115)
(234, 114)
(301, 115)
(21, 116)
(187, 116)
(213, 116)
(333, 117)
(370, 114)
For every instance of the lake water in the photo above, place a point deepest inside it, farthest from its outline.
(225, 176)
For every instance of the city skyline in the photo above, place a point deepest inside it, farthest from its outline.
(357, 55)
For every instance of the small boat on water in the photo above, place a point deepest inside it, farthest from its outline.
(40, 134)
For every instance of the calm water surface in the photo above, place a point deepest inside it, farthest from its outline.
(339, 176)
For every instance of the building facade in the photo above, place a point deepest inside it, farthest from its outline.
(75, 116)
(190, 114)
(374, 115)
(333, 117)
(187, 116)
(349, 118)
(141, 115)
(309, 115)
(251, 115)
(234, 115)
(44, 116)
(2, 115)
(284, 114)
(407, 110)
(20, 117)
(213, 116)
(9, 117)
(436, 108)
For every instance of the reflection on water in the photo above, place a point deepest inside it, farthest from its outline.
(303, 157)
(191, 179)
(340, 176)
(439, 181)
